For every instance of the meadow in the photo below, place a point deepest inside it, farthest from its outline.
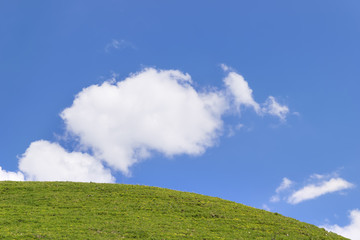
(67, 210)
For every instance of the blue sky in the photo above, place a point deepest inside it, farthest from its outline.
(303, 54)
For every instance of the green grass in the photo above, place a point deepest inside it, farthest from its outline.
(65, 210)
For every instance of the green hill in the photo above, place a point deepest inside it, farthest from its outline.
(65, 210)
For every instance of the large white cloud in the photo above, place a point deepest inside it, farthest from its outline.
(352, 230)
(11, 176)
(45, 161)
(149, 111)
(122, 123)
(312, 191)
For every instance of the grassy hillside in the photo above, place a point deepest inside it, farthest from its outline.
(59, 210)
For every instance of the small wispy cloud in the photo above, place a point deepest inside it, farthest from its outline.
(352, 230)
(226, 68)
(313, 191)
(118, 44)
(233, 129)
(285, 185)
(241, 92)
(242, 96)
(315, 186)
(272, 107)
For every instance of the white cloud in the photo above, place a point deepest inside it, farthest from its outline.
(122, 123)
(240, 91)
(226, 68)
(275, 198)
(272, 107)
(10, 176)
(149, 111)
(352, 230)
(312, 191)
(118, 44)
(242, 95)
(45, 161)
(315, 186)
(285, 184)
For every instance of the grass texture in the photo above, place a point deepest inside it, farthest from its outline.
(66, 210)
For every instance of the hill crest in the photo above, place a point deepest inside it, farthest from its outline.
(61, 210)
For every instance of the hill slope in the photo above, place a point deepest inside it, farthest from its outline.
(64, 210)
